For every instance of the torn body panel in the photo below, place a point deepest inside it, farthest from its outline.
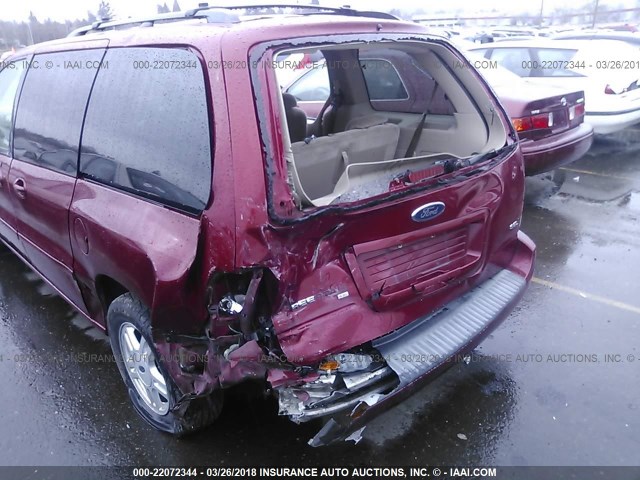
(413, 354)
(237, 341)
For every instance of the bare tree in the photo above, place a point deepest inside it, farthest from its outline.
(104, 10)
(18, 34)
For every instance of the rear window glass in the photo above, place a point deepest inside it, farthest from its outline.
(147, 129)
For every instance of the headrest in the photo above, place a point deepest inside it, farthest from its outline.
(289, 101)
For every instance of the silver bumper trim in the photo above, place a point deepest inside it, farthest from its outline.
(423, 345)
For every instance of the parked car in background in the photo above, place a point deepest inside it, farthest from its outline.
(632, 38)
(619, 27)
(607, 71)
(218, 238)
(549, 120)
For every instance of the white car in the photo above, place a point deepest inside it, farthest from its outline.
(607, 71)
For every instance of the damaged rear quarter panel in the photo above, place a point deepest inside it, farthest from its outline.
(162, 256)
(150, 250)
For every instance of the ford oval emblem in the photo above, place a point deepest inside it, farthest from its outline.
(427, 212)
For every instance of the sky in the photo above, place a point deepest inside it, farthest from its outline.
(77, 9)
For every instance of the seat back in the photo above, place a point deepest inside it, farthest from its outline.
(322, 161)
(296, 118)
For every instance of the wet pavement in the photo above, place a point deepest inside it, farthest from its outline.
(556, 384)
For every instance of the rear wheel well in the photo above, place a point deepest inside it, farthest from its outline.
(108, 290)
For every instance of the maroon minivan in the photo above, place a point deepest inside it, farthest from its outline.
(154, 174)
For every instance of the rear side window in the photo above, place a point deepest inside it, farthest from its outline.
(9, 82)
(383, 81)
(147, 129)
(555, 62)
(51, 108)
(313, 86)
(518, 60)
(482, 52)
(398, 81)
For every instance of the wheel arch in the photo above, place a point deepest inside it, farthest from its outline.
(108, 289)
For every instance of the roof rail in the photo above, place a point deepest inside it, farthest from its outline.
(304, 9)
(212, 15)
(226, 14)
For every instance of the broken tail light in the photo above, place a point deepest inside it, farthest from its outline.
(534, 122)
(346, 363)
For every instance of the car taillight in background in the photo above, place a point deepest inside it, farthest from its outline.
(576, 111)
(534, 122)
(609, 90)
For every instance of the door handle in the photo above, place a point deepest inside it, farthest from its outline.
(20, 187)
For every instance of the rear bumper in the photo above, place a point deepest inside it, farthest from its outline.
(427, 346)
(550, 153)
(614, 121)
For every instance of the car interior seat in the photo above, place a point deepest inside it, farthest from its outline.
(296, 118)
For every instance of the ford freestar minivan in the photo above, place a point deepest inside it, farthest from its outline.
(155, 174)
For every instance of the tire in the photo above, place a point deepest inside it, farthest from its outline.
(152, 391)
